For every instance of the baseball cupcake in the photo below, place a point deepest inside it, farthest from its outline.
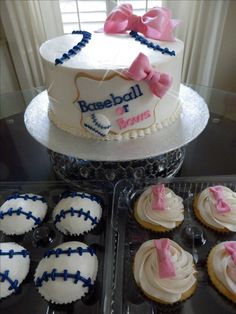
(66, 273)
(14, 267)
(164, 271)
(21, 213)
(159, 209)
(215, 207)
(77, 213)
(221, 267)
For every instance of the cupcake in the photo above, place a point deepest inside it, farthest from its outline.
(14, 267)
(221, 266)
(66, 273)
(159, 209)
(77, 213)
(21, 213)
(164, 271)
(215, 207)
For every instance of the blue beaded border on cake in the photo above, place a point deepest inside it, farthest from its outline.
(12, 253)
(150, 44)
(91, 197)
(79, 250)
(65, 275)
(77, 48)
(26, 197)
(19, 212)
(13, 283)
(72, 212)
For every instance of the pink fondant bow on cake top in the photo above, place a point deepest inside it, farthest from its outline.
(231, 250)
(158, 194)
(156, 23)
(165, 265)
(221, 205)
(141, 69)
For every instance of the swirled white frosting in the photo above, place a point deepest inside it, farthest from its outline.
(146, 272)
(167, 218)
(224, 267)
(206, 205)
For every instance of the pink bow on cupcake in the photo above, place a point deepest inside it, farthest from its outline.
(166, 266)
(221, 205)
(156, 23)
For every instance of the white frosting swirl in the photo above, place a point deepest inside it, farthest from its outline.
(146, 272)
(224, 267)
(167, 218)
(206, 205)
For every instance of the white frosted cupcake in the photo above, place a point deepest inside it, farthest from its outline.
(159, 209)
(77, 213)
(14, 267)
(215, 207)
(221, 265)
(66, 273)
(164, 271)
(21, 213)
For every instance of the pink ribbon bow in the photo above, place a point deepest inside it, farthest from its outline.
(156, 23)
(231, 249)
(166, 267)
(221, 205)
(141, 69)
(158, 202)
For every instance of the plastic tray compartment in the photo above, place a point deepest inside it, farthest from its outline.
(28, 300)
(127, 237)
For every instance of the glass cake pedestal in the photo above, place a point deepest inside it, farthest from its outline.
(158, 154)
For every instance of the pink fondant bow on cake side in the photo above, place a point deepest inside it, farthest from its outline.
(231, 249)
(221, 205)
(156, 23)
(158, 193)
(141, 69)
(166, 267)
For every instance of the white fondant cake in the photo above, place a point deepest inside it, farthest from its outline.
(21, 213)
(90, 94)
(77, 213)
(66, 273)
(14, 267)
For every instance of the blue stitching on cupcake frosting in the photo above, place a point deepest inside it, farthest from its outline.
(26, 197)
(79, 250)
(77, 48)
(87, 282)
(95, 121)
(19, 212)
(12, 253)
(72, 212)
(13, 283)
(150, 44)
(82, 195)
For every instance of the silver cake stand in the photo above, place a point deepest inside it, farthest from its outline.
(158, 154)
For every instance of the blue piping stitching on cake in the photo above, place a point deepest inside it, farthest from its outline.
(92, 129)
(76, 49)
(11, 253)
(82, 195)
(18, 212)
(72, 212)
(69, 251)
(150, 44)
(65, 275)
(26, 197)
(13, 283)
(95, 121)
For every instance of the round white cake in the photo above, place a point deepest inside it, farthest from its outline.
(21, 213)
(66, 272)
(14, 267)
(77, 213)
